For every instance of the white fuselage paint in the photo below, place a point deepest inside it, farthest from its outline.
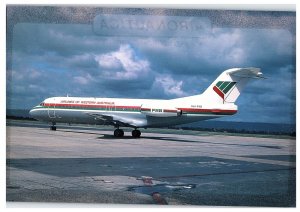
(134, 112)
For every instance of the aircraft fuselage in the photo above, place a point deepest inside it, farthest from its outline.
(134, 112)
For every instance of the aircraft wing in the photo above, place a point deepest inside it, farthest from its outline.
(115, 120)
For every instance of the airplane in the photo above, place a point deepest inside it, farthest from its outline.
(218, 100)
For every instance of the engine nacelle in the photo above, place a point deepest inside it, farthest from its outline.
(160, 112)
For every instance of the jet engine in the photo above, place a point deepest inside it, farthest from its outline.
(160, 111)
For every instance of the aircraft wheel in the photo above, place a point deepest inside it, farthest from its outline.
(118, 133)
(53, 128)
(122, 133)
(136, 133)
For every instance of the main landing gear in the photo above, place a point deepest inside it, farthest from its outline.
(120, 133)
(136, 133)
(53, 127)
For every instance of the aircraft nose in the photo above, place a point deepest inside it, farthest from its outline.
(32, 112)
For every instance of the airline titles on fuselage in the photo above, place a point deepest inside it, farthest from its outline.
(86, 102)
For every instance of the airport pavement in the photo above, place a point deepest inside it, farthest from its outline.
(89, 165)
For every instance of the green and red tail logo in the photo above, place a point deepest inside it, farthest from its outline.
(223, 87)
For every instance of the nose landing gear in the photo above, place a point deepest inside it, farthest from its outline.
(53, 127)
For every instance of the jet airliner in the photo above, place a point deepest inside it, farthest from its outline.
(218, 100)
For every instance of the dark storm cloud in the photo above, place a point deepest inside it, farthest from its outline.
(60, 59)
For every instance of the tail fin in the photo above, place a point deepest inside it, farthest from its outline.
(229, 85)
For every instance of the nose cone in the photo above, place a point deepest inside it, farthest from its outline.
(32, 113)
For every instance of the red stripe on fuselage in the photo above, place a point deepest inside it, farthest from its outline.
(90, 106)
(145, 109)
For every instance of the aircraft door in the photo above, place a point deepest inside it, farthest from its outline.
(51, 111)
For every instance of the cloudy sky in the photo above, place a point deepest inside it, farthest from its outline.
(72, 59)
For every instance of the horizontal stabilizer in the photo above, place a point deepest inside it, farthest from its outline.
(245, 72)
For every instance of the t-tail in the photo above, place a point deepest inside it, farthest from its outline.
(229, 85)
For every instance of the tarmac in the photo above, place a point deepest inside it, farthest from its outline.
(77, 164)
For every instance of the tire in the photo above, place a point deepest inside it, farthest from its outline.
(136, 133)
(122, 133)
(118, 133)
